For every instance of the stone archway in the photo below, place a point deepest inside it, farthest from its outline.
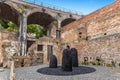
(40, 18)
(43, 19)
(9, 13)
(67, 21)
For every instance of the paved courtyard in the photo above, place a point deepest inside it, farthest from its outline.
(42, 72)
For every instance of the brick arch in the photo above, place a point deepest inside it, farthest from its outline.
(8, 12)
(67, 21)
(40, 18)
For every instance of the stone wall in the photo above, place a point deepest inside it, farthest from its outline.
(96, 35)
(0, 46)
(9, 46)
(107, 21)
(107, 48)
(8, 35)
(44, 42)
(70, 36)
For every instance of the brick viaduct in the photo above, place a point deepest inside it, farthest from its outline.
(23, 13)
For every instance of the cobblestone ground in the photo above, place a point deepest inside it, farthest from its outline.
(42, 72)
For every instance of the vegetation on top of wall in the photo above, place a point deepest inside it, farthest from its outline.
(23, 7)
(8, 25)
(38, 30)
(43, 10)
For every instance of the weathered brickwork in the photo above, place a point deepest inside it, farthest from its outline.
(107, 48)
(46, 52)
(9, 46)
(106, 21)
(39, 50)
(70, 36)
(96, 35)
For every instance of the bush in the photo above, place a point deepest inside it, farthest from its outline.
(39, 31)
(109, 65)
(98, 63)
(93, 63)
(85, 62)
(8, 25)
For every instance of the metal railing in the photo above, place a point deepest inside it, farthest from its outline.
(36, 2)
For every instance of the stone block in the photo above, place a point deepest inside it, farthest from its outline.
(74, 55)
(66, 60)
(53, 61)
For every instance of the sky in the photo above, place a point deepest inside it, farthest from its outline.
(80, 6)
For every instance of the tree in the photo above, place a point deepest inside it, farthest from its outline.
(12, 26)
(8, 25)
(4, 23)
(1, 27)
(39, 31)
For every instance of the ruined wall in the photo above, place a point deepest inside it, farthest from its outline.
(0, 48)
(9, 46)
(107, 20)
(8, 35)
(39, 50)
(101, 34)
(70, 36)
(106, 47)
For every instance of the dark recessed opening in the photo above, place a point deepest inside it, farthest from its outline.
(80, 32)
(40, 48)
(79, 36)
(29, 44)
(87, 38)
(105, 33)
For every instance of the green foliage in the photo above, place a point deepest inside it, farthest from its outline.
(43, 10)
(4, 23)
(22, 8)
(8, 25)
(86, 62)
(98, 63)
(112, 64)
(1, 27)
(93, 63)
(39, 31)
(109, 65)
(11, 26)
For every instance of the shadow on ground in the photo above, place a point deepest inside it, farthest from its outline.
(58, 71)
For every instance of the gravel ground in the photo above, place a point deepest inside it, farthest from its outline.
(42, 72)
